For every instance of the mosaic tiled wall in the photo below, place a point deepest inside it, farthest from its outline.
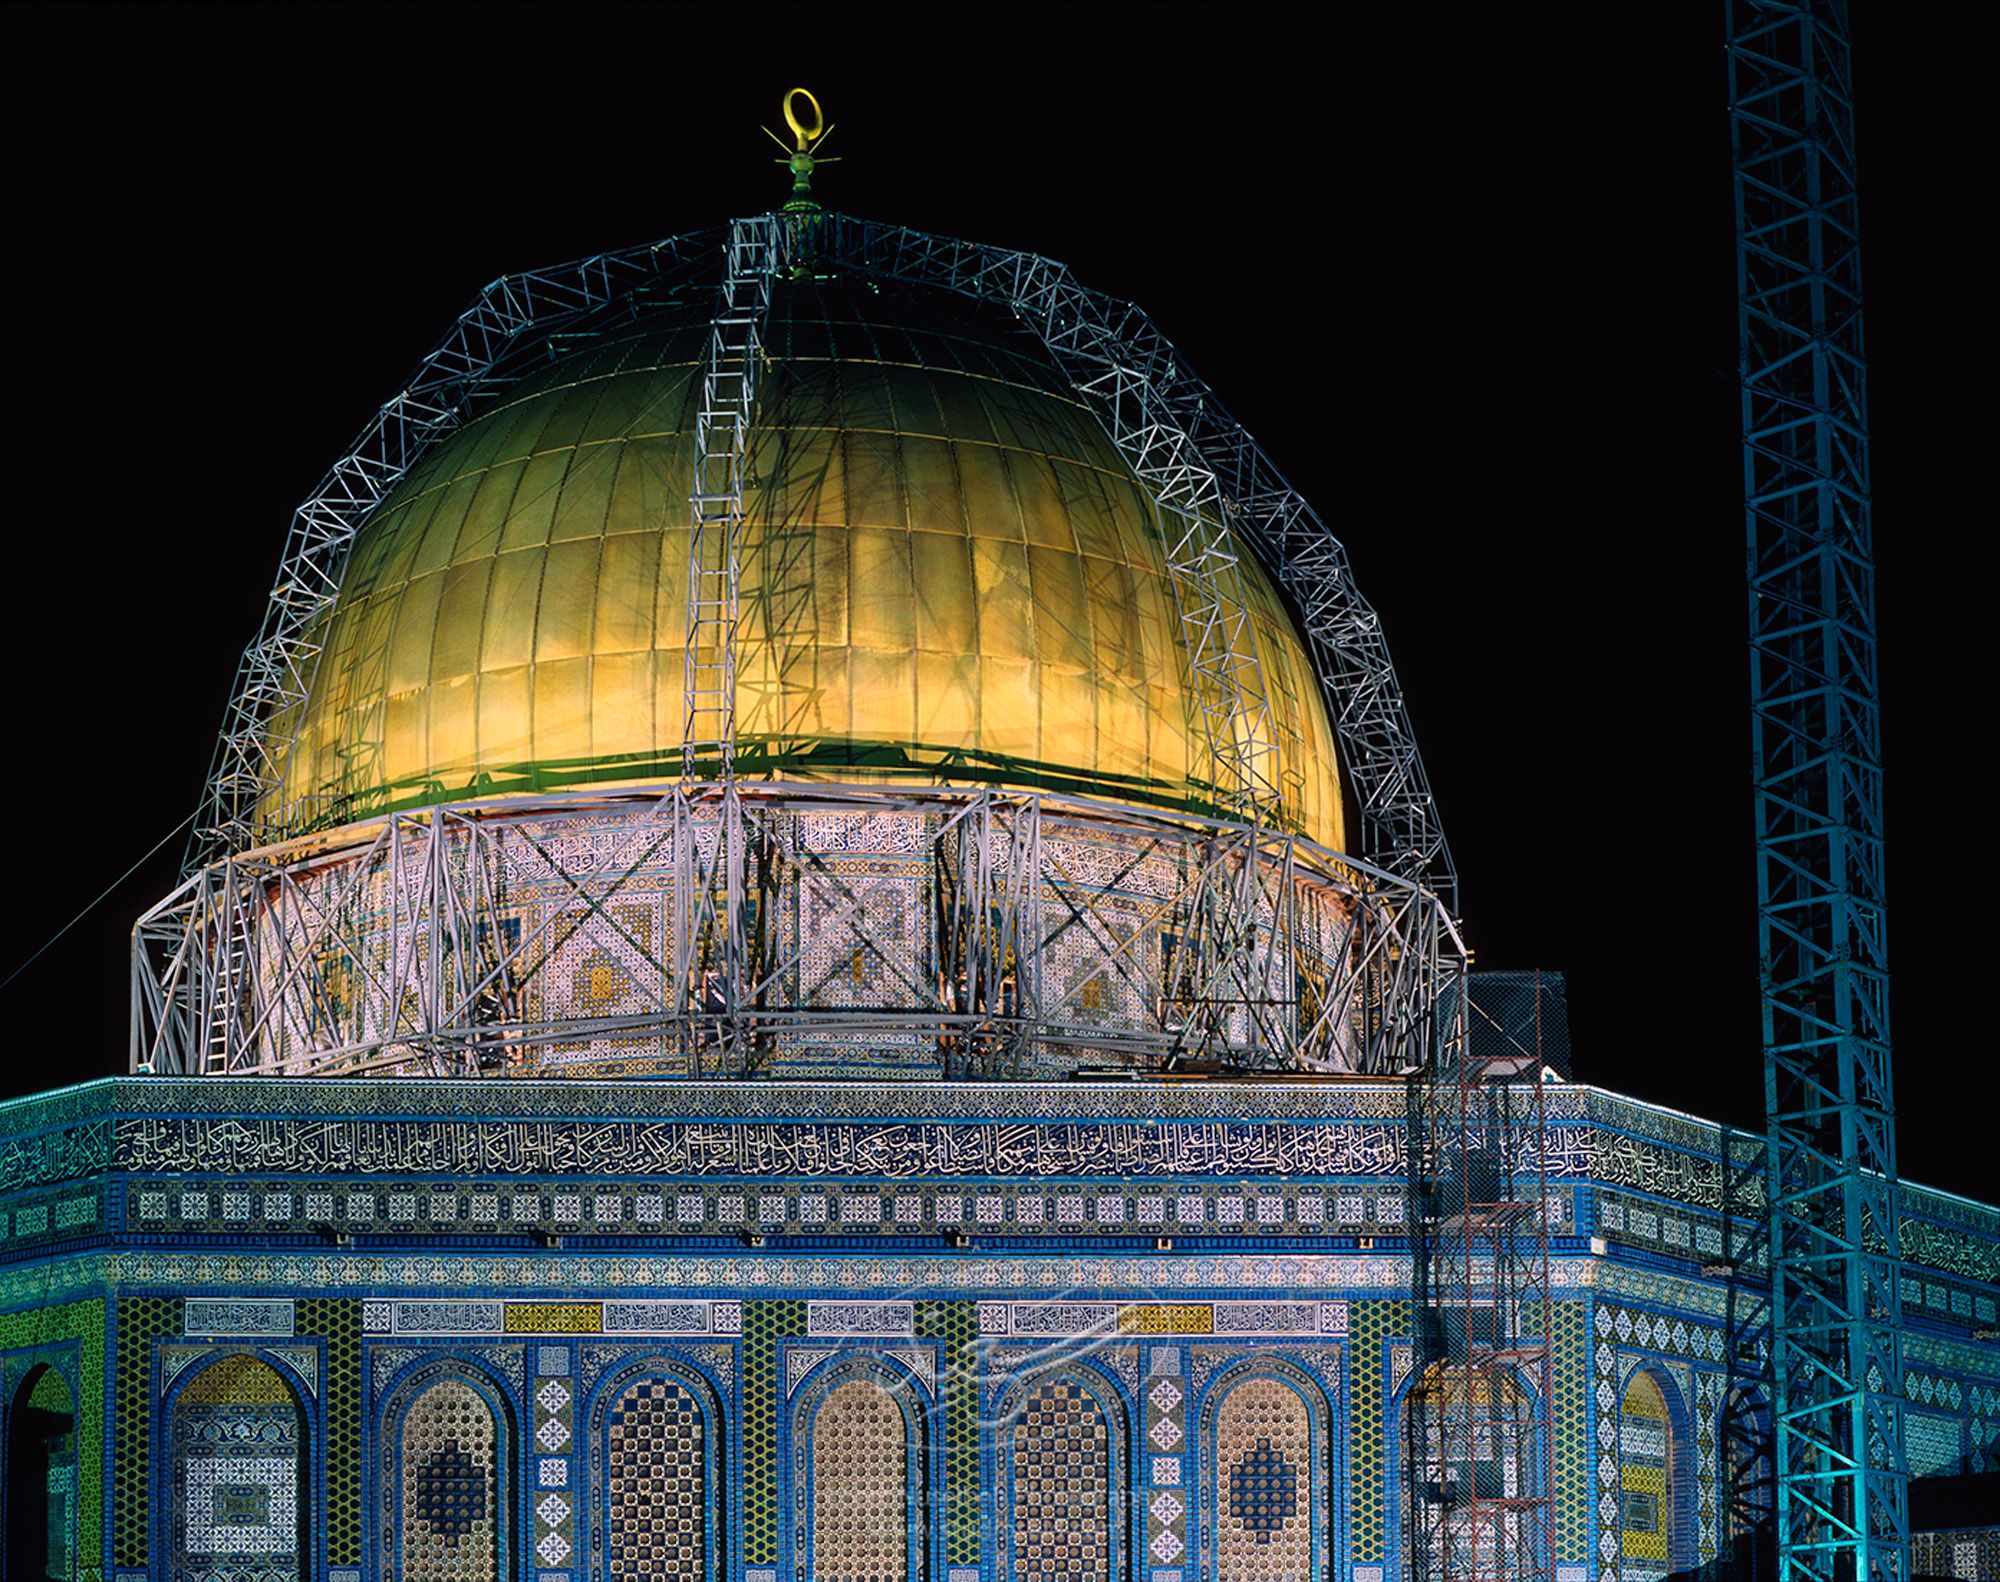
(1571, 1420)
(763, 1323)
(1370, 1324)
(1060, 1515)
(70, 1338)
(141, 1321)
(910, 1238)
(448, 1518)
(337, 1320)
(235, 1477)
(956, 1326)
(1970, 1554)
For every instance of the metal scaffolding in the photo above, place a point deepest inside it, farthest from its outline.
(1024, 935)
(712, 958)
(1836, 1309)
(1478, 1430)
(1210, 485)
(1197, 458)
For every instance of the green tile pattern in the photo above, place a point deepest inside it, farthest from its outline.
(1368, 1325)
(338, 1319)
(82, 1322)
(764, 1323)
(141, 1321)
(957, 1324)
(1570, 1410)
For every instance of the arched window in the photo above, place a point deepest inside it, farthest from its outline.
(451, 1515)
(237, 1493)
(1062, 1467)
(1263, 1484)
(660, 1519)
(861, 1521)
(41, 1478)
(1646, 1490)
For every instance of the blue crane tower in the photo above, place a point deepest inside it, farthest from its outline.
(1836, 1310)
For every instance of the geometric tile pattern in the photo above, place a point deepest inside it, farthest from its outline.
(1693, 1520)
(1369, 1324)
(1707, 1406)
(656, 1476)
(633, 1209)
(1967, 1554)
(554, 1402)
(1263, 1501)
(763, 1323)
(1570, 1410)
(141, 1321)
(338, 1320)
(957, 1325)
(859, 1449)
(1061, 1520)
(450, 1493)
(1164, 1400)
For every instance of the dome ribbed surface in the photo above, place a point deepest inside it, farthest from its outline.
(949, 575)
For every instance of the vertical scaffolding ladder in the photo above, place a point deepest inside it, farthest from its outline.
(710, 938)
(1480, 1453)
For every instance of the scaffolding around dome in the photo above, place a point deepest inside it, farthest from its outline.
(1241, 944)
(945, 933)
(1204, 472)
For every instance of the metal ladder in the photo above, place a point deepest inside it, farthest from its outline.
(715, 529)
(710, 948)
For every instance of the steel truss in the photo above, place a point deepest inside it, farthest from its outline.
(515, 323)
(712, 895)
(1480, 1445)
(1205, 475)
(1204, 469)
(1059, 937)
(1842, 1503)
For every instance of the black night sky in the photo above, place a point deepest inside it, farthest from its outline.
(1465, 270)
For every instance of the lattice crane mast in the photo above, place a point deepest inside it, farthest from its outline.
(1836, 1310)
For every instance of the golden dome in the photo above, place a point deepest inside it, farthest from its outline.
(949, 575)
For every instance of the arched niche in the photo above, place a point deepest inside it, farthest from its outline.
(446, 1499)
(1063, 1452)
(1655, 1536)
(1266, 1437)
(657, 1453)
(236, 1492)
(860, 1451)
(41, 1477)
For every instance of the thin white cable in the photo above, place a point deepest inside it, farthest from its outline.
(101, 896)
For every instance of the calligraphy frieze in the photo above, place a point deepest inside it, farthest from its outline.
(1950, 1251)
(1665, 1172)
(892, 1150)
(65, 1154)
(778, 1148)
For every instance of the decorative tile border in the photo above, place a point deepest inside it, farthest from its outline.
(1046, 1319)
(435, 1318)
